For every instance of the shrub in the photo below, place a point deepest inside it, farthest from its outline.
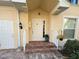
(70, 47)
(74, 55)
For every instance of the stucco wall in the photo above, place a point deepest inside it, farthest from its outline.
(11, 13)
(24, 21)
(35, 14)
(56, 21)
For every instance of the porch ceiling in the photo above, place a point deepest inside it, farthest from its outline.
(46, 5)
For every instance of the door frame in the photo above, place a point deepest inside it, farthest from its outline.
(32, 28)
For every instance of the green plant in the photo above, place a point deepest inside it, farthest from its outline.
(74, 55)
(60, 37)
(70, 47)
(46, 36)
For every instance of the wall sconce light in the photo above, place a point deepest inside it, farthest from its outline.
(20, 25)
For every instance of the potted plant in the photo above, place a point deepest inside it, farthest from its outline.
(46, 36)
(60, 36)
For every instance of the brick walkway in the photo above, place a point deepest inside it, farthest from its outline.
(34, 50)
(15, 54)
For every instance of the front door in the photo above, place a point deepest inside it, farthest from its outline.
(37, 30)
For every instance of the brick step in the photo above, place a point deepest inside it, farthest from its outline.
(40, 43)
(39, 46)
(37, 50)
(36, 41)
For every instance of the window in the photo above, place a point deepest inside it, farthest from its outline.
(73, 2)
(69, 28)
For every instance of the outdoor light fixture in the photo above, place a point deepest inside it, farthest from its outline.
(20, 25)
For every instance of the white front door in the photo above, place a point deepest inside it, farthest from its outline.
(6, 34)
(37, 30)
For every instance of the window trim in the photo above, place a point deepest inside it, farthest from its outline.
(77, 20)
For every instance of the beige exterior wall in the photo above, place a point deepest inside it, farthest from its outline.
(24, 21)
(34, 14)
(56, 21)
(11, 13)
(53, 23)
